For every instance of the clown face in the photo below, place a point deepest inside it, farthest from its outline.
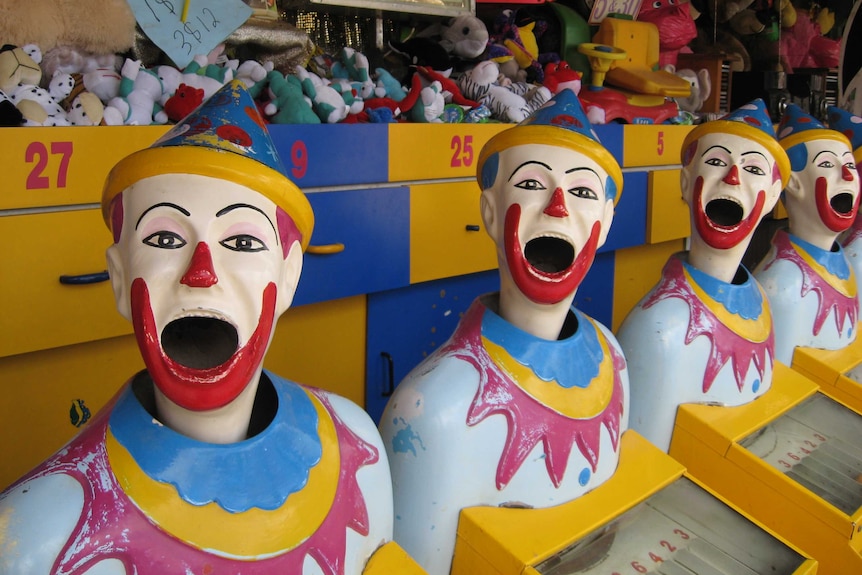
(548, 212)
(201, 271)
(729, 183)
(825, 193)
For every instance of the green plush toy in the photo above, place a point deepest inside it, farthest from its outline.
(287, 104)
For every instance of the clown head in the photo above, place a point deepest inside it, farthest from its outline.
(732, 175)
(549, 189)
(208, 251)
(822, 196)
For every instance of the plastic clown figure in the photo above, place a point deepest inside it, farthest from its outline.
(811, 286)
(525, 403)
(205, 463)
(704, 334)
(851, 240)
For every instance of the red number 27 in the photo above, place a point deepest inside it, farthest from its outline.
(37, 153)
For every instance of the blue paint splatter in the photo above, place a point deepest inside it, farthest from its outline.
(584, 477)
(405, 440)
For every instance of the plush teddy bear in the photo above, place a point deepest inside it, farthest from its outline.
(287, 101)
(138, 102)
(183, 102)
(511, 102)
(100, 26)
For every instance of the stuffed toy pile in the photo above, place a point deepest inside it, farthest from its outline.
(59, 67)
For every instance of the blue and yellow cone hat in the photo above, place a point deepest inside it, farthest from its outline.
(850, 125)
(749, 121)
(225, 138)
(798, 127)
(561, 121)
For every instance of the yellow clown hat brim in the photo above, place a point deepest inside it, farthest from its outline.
(742, 130)
(523, 135)
(214, 163)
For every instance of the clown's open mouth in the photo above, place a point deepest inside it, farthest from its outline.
(842, 203)
(549, 255)
(724, 212)
(199, 342)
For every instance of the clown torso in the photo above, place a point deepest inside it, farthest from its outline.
(813, 295)
(852, 244)
(497, 416)
(695, 339)
(309, 494)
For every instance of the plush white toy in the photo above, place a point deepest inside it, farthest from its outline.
(511, 102)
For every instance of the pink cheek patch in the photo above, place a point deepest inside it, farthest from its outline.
(776, 173)
(689, 153)
(116, 210)
(287, 231)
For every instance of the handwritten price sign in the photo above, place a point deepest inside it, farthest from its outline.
(184, 29)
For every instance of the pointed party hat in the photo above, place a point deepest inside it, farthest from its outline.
(750, 121)
(561, 121)
(798, 126)
(225, 138)
(850, 125)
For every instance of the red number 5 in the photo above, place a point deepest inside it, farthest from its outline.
(660, 147)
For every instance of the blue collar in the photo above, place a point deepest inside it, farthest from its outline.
(237, 476)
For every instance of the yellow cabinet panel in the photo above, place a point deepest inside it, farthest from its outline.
(436, 151)
(60, 166)
(323, 345)
(38, 311)
(667, 213)
(43, 396)
(447, 236)
(655, 145)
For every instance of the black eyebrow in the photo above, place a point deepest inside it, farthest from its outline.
(715, 146)
(570, 170)
(162, 205)
(758, 153)
(544, 165)
(817, 155)
(233, 207)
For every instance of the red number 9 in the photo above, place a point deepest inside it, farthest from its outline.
(299, 159)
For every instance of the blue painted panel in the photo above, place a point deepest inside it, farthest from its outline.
(629, 227)
(410, 323)
(374, 226)
(611, 137)
(333, 154)
(595, 296)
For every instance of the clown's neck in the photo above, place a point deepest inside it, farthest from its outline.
(721, 264)
(541, 320)
(228, 424)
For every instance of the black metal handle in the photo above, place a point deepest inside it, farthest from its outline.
(391, 383)
(85, 279)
